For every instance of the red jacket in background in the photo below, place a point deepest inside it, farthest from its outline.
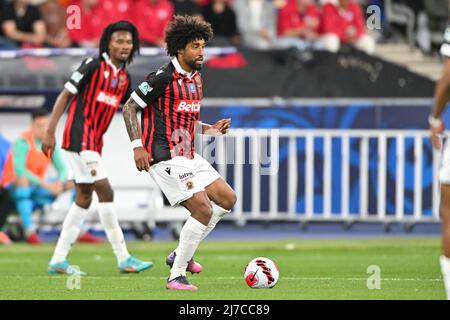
(92, 23)
(152, 18)
(340, 21)
(118, 10)
(289, 17)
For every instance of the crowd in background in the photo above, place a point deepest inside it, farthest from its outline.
(257, 24)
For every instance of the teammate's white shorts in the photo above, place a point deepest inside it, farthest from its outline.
(86, 166)
(180, 178)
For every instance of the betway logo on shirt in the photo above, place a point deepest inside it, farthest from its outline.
(188, 106)
(110, 100)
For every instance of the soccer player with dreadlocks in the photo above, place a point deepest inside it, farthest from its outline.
(170, 101)
(93, 94)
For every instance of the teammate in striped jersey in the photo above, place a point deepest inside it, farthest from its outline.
(170, 100)
(441, 99)
(93, 93)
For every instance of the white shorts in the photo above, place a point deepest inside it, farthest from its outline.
(86, 166)
(180, 178)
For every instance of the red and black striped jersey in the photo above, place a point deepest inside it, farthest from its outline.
(99, 88)
(171, 99)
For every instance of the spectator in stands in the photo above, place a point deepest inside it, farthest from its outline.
(92, 22)
(256, 20)
(25, 173)
(222, 18)
(4, 196)
(152, 17)
(118, 10)
(54, 15)
(343, 23)
(299, 19)
(189, 7)
(22, 24)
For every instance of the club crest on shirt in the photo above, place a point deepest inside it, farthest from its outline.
(122, 80)
(192, 87)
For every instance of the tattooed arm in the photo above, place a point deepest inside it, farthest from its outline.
(142, 158)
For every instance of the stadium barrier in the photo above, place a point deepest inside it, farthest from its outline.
(330, 175)
(335, 175)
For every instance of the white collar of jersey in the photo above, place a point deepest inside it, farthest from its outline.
(109, 62)
(180, 70)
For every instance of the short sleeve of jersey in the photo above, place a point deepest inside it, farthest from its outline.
(79, 78)
(445, 48)
(150, 89)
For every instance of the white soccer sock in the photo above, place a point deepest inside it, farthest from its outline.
(69, 233)
(445, 268)
(190, 238)
(217, 214)
(110, 223)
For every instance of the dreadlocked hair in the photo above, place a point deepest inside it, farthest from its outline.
(184, 29)
(119, 26)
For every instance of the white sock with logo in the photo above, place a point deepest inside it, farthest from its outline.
(69, 233)
(190, 238)
(445, 268)
(110, 223)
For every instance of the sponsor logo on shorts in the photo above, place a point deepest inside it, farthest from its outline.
(186, 176)
(167, 170)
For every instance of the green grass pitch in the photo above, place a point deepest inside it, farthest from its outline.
(309, 269)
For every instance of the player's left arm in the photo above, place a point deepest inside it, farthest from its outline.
(221, 127)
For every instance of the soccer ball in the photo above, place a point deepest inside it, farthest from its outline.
(261, 272)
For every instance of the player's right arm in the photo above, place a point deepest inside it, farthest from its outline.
(75, 84)
(144, 95)
(142, 158)
(48, 145)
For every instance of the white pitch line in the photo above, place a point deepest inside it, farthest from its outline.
(337, 278)
(59, 277)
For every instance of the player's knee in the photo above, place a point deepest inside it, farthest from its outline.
(106, 195)
(84, 198)
(202, 211)
(229, 200)
(444, 211)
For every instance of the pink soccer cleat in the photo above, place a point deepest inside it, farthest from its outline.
(180, 283)
(192, 267)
